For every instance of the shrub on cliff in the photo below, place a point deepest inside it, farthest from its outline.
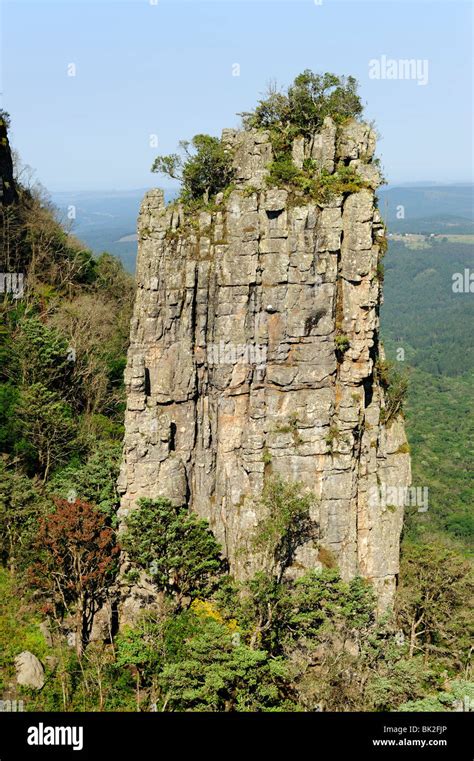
(302, 109)
(5, 118)
(204, 170)
(395, 386)
(286, 525)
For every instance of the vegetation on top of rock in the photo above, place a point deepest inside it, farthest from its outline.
(204, 167)
(301, 110)
(5, 118)
(319, 186)
(204, 170)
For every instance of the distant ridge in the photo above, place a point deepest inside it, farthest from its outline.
(427, 201)
(106, 220)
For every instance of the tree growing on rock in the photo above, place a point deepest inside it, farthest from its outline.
(302, 108)
(204, 168)
(286, 524)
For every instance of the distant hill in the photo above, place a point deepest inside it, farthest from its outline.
(105, 220)
(443, 224)
(426, 202)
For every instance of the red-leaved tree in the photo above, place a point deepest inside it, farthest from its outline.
(77, 556)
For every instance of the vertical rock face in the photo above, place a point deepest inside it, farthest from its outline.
(8, 197)
(253, 344)
(8, 192)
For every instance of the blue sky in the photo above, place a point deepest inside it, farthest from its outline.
(166, 70)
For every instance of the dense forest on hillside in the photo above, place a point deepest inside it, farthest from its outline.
(430, 322)
(217, 645)
(423, 313)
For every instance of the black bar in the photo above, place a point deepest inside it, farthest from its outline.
(325, 736)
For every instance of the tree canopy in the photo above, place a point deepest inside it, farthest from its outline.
(302, 108)
(204, 167)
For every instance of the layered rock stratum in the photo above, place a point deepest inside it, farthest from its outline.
(254, 342)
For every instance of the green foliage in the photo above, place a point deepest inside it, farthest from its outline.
(260, 607)
(321, 187)
(396, 678)
(461, 693)
(93, 480)
(284, 171)
(175, 547)
(302, 109)
(318, 600)
(380, 272)
(342, 343)
(9, 428)
(212, 671)
(140, 652)
(285, 526)
(435, 584)
(332, 436)
(205, 170)
(395, 386)
(21, 504)
(39, 353)
(61, 364)
(48, 428)
(5, 119)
